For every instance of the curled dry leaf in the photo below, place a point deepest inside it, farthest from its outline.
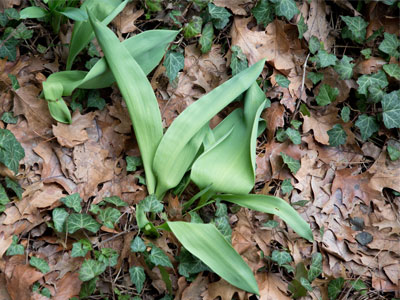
(125, 21)
(274, 116)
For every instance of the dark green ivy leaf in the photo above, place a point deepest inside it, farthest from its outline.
(314, 44)
(8, 49)
(90, 269)
(109, 216)
(151, 204)
(306, 284)
(281, 257)
(193, 28)
(59, 216)
(81, 248)
(15, 187)
(132, 162)
(345, 114)
(294, 136)
(344, 67)
(390, 45)
(138, 277)
(238, 60)
(159, 258)
(324, 59)
(357, 27)
(377, 79)
(301, 27)
(138, 245)
(73, 201)
(315, 77)
(94, 100)
(391, 110)
(117, 201)
(219, 15)
(174, 62)
(286, 187)
(285, 8)
(293, 164)
(82, 221)
(337, 135)
(108, 256)
(282, 81)
(39, 264)
(393, 70)
(14, 82)
(335, 287)
(9, 118)
(326, 95)
(394, 152)
(366, 52)
(15, 248)
(367, 125)
(206, 38)
(263, 12)
(11, 151)
(315, 267)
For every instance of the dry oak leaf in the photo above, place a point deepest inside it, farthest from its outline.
(20, 280)
(274, 116)
(222, 289)
(331, 77)
(272, 44)
(272, 287)
(71, 135)
(3, 289)
(5, 242)
(369, 66)
(236, 6)
(67, 287)
(195, 289)
(125, 21)
(119, 111)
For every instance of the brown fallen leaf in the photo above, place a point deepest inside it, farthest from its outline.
(195, 290)
(71, 135)
(236, 6)
(3, 290)
(5, 242)
(222, 289)
(369, 66)
(67, 287)
(274, 116)
(125, 21)
(272, 287)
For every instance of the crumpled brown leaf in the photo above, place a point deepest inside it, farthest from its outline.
(222, 289)
(125, 21)
(236, 6)
(274, 116)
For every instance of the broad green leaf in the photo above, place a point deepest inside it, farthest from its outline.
(109, 216)
(367, 125)
(314, 44)
(8, 117)
(306, 284)
(183, 138)
(22, 32)
(366, 52)
(337, 135)
(238, 60)
(324, 59)
(358, 285)
(393, 70)
(345, 114)
(391, 110)
(273, 205)
(357, 26)
(138, 277)
(263, 12)
(154, 5)
(326, 94)
(15, 248)
(286, 187)
(59, 216)
(73, 201)
(390, 45)
(12, 13)
(282, 81)
(81, 221)
(138, 245)
(228, 165)
(206, 243)
(301, 27)
(377, 79)
(159, 258)
(15, 187)
(132, 162)
(174, 62)
(87, 289)
(108, 256)
(285, 8)
(293, 164)
(394, 153)
(117, 201)
(206, 38)
(281, 257)
(335, 287)
(74, 13)
(294, 136)
(219, 15)
(138, 94)
(315, 77)
(94, 100)
(193, 28)
(39, 264)
(32, 12)
(104, 10)
(90, 269)
(81, 248)
(14, 82)
(151, 204)
(8, 49)
(315, 267)
(11, 151)
(344, 68)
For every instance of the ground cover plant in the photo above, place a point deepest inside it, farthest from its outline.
(263, 160)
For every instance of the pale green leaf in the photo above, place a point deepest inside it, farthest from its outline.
(219, 15)
(132, 162)
(301, 26)
(159, 258)
(306, 284)
(87, 289)
(326, 94)
(357, 26)
(335, 287)
(3, 196)
(193, 28)
(15, 187)
(108, 256)
(337, 135)
(151, 204)
(73, 201)
(238, 60)
(263, 12)
(296, 123)
(138, 277)
(294, 136)
(315, 77)
(345, 114)
(314, 44)
(90, 269)
(174, 62)
(281, 257)
(32, 12)
(375, 94)
(109, 216)
(285, 8)
(12, 13)
(39, 264)
(393, 70)
(286, 187)
(293, 164)
(271, 224)
(394, 152)
(391, 110)
(59, 216)
(344, 67)
(377, 79)
(206, 38)
(315, 267)
(81, 248)
(8, 117)
(15, 248)
(74, 13)
(117, 201)
(358, 285)
(324, 59)
(82, 221)
(11, 151)
(14, 82)
(390, 45)
(367, 125)
(138, 245)
(366, 52)
(282, 81)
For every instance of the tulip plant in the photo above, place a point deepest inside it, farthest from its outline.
(221, 161)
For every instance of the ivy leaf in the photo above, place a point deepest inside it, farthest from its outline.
(357, 27)
(189, 264)
(391, 110)
(335, 287)
(39, 264)
(394, 153)
(301, 27)
(206, 38)
(293, 164)
(3, 196)
(94, 100)
(90, 269)
(263, 12)
(137, 245)
(73, 201)
(337, 135)
(12, 13)
(108, 256)
(314, 44)
(324, 59)
(9, 118)
(132, 162)
(390, 45)
(375, 94)
(306, 284)
(14, 82)
(345, 114)
(15, 187)
(285, 8)
(193, 28)
(377, 79)
(315, 267)
(281, 135)
(117, 201)
(282, 81)
(89, 65)
(286, 187)
(82, 221)
(151, 204)
(3, 20)
(159, 258)
(11, 151)
(109, 216)
(344, 68)
(281, 257)
(326, 95)
(87, 289)
(238, 60)
(59, 216)
(366, 52)
(315, 77)
(271, 224)
(358, 285)
(294, 136)
(81, 248)
(222, 224)
(15, 248)
(138, 277)
(393, 70)
(8, 49)
(154, 5)
(22, 32)
(367, 125)
(219, 15)
(174, 62)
